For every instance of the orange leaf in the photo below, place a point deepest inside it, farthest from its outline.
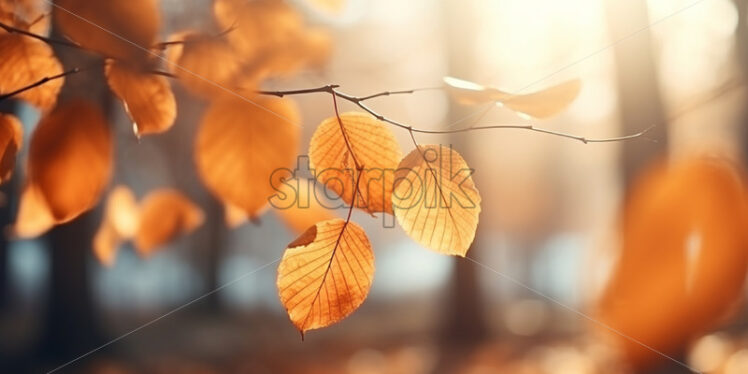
(119, 223)
(26, 61)
(34, 217)
(325, 274)
(164, 215)
(120, 29)
(241, 145)
(205, 65)
(541, 104)
(435, 199)
(11, 139)
(374, 147)
(683, 261)
(296, 204)
(147, 97)
(70, 159)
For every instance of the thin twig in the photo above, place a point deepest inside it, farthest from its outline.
(38, 83)
(45, 39)
(359, 101)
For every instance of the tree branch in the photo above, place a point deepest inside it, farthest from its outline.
(39, 83)
(15, 30)
(359, 101)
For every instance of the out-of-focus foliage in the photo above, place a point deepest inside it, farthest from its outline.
(683, 260)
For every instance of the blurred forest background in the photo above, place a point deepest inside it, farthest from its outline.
(551, 206)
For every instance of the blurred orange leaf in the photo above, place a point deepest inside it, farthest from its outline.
(120, 29)
(34, 217)
(11, 139)
(325, 274)
(70, 159)
(164, 214)
(240, 145)
(375, 148)
(147, 97)
(120, 221)
(26, 61)
(683, 261)
(204, 64)
(435, 199)
(541, 104)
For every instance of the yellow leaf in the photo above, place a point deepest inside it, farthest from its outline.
(375, 148)
(120, 29)
(241, 145)
(26, 61)
(683, 250)
(34, 217)
(164, 215)
(435, 199)
(120, 221)
(541, 104)
(325, 274)
(11, 139)
(70, 159)
(147, 97)
(204, 64)
(297, 205)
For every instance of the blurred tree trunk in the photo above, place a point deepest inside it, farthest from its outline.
(639, 101)
(8, 192)
(464, 326)
(741, 49)
(639, 98)
(69, 326)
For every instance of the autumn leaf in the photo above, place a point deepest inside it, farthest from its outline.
(325, 274)
(11, 139)
(435, 199)
(34, 217)
(26, 61)
(683, 250)
(297, 205)
(240, 145)
(164, 215)
(119, 29)
(541, 104)
(70, 159)
(375, 148)
(204, 64)
(147, 97)
(120, 222)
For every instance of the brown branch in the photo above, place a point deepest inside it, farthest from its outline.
(45, 39)
(38, 83)
(359, 101)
